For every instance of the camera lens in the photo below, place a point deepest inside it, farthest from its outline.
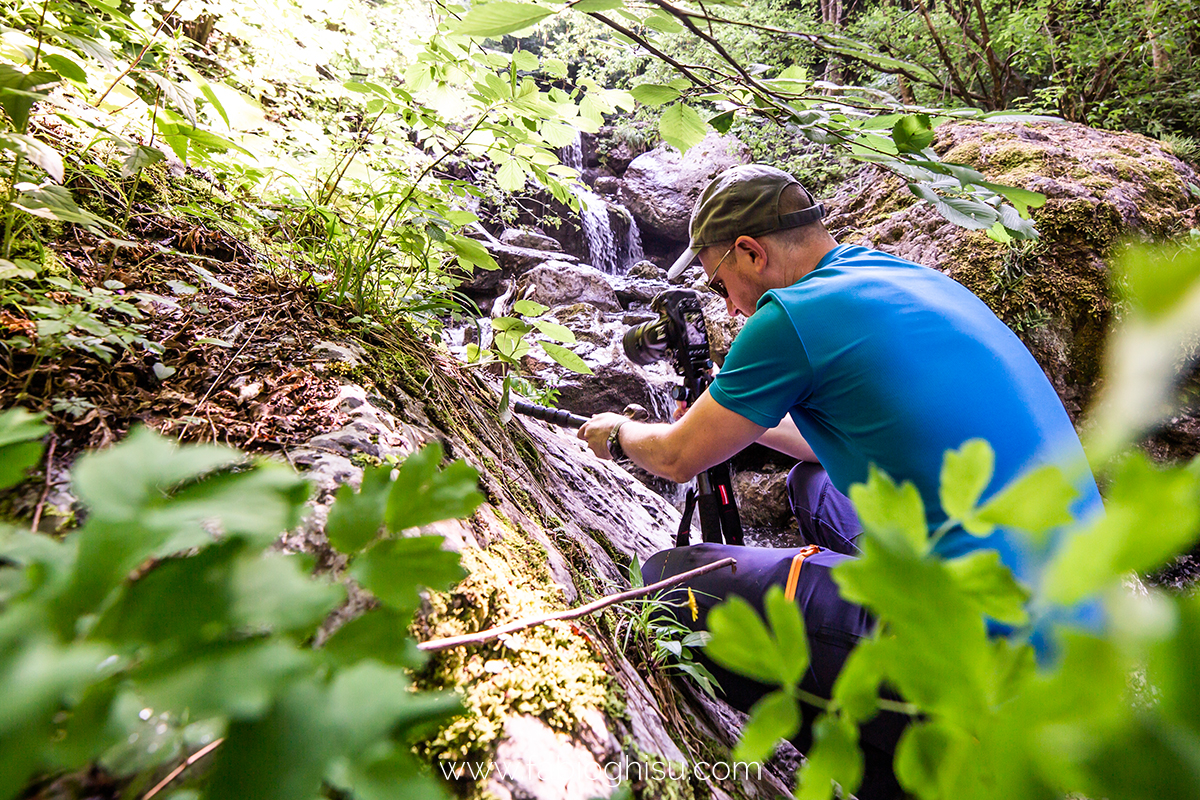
(646, 343)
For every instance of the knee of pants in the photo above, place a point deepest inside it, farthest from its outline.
(804, 485)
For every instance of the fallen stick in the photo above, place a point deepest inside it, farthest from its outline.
(572, 613)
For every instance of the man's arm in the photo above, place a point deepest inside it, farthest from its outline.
(786, 438)
(706, 435)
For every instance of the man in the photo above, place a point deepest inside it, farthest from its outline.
(849, 357)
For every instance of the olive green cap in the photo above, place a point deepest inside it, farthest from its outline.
(742, 201)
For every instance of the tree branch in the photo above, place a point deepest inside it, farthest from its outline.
(573, 613)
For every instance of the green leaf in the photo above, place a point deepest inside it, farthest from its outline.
(357, 517)
(787, 626)
(966, 472)
(238, 679)
(380, 634)
(36, 152)
(929, 756)
(1015, 224)
(395, 570)
(555, 331)
(566, 358)
(497, 19)
(511, 175)
(742, 643)
(681, 127)
(591, 6)
(1023, 199)
(722, 122)
(912, 133)
(833, 758)
(422, 494)
(137, 158)
(369, 700)
(661, 21)
(1034, 503)
(557, 68)
(528, 308)
(654, 94)
(276, 591)
(20, 445)
(55, 202)
(1151, 514)
(991, 585)
(471, 252)
(66, 67)
(20, 90)
(893, 514)
(772, 718)
(967, 213)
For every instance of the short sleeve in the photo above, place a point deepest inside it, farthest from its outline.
(767, 370)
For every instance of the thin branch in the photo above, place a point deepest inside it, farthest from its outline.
(955, 78)
(37, 514)
(573, 613)
(133, 64)
(175, 773)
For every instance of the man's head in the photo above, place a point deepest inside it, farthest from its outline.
(754, 228)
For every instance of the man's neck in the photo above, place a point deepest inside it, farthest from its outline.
(807, 259)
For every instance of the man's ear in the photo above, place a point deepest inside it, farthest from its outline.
(756, 251)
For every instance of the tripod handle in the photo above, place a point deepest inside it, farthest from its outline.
(554, 416)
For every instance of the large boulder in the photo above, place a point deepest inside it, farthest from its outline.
(661, 186)
(557, 283)
(1054, 292)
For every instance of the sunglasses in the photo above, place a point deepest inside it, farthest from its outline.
(715, 285)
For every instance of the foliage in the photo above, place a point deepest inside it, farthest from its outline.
(167, 621)
(987, 721)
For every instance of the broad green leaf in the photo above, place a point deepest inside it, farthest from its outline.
(238, 679)
(557, 68)
(722, 122)
(390, 775)
(930, 757)
(277, 592)
(856, 690)
(833, 758)
(66, 67)
(590, 6)
(912, 133)
(662, 22)
(681, 127)
(137, 158)
(525, 61)
(380, 634)
(742, 643)
(787, 626)
(1015, 224)
(990, 585)
(566, 358)
(654, 94)
(421, 494)
(1151, 515)
(357, 517)
(280, 755)
(1158, 279)
(893, 514)
(967, 213)
(529, 308)
(555, 331)
(1023, 199)
(772, 718)
(395, 570)
(511, 175)
(497, 19)
(20, 90)
(965, 474)
(20, 445)
(471, 252)
(1034, 503)
(36, 152)
(370, 700)
(55, 202)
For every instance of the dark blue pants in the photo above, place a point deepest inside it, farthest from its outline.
(826, 516)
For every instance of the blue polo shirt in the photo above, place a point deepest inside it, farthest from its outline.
(880, 360)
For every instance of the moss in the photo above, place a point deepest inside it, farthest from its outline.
(548, 671)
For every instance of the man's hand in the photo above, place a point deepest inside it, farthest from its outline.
(597, 429)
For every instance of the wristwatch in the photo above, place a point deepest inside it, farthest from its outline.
(614, 442)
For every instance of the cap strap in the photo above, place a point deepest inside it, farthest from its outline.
(805, 217)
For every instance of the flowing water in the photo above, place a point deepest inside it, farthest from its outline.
(605, 252)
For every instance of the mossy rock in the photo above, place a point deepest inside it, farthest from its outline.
(1101, 188)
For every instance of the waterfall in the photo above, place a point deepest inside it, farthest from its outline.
(604, 252)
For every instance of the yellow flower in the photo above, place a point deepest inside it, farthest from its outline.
(692, 605)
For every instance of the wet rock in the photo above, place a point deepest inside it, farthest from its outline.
(345, 353)
(516, 237)
(762, 499)
(634, 291)
(556, 283)
(608, 186)
(538, 763)
(661, 186)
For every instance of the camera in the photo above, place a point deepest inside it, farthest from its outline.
(680, 334)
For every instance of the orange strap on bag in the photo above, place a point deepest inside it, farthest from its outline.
(794, 573)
